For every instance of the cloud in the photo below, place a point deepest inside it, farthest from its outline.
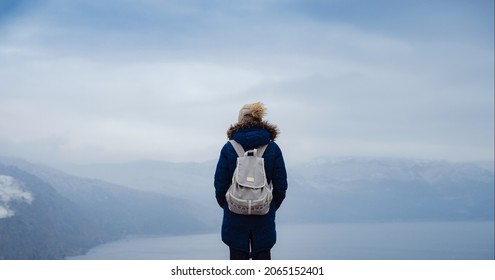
(121, 80)
(11, 190)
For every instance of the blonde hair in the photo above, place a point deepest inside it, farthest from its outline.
(253, 111)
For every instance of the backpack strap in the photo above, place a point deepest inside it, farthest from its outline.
(261, 150)
(238, 148)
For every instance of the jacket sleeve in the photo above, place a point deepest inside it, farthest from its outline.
(223, 177)
(279, 179)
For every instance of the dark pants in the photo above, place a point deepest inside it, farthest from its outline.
(240, 255)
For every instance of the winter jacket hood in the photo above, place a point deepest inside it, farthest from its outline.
(253, 134)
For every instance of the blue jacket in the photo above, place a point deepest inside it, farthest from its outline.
(237, 230)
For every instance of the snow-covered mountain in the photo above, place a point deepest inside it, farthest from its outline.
(344, 189)
(47, 213)
(374, 189)
(188, 180)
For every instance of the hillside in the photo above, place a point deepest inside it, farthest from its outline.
(328, 190)
(48, 214)
(68, 214)
(373, 189)
(49, 227)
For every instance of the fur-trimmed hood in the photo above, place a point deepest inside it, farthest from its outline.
(270, 128)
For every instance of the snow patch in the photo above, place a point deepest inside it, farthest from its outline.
(12, 190)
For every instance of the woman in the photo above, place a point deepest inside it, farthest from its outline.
(251, 236)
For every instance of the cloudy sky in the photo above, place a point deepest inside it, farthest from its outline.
(109, 81)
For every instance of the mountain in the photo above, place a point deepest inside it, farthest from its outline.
(46, 213)
(329, 190)
(49, 226)
(67, 214)
(184, 179)
(374, 189)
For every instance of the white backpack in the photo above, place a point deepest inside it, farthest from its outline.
(249, 193)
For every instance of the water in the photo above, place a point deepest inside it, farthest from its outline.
(354, 241)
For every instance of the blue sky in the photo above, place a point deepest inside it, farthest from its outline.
(98, 81)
